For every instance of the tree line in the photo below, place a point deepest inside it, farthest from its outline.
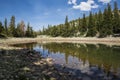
(13, 30)
(100, 24)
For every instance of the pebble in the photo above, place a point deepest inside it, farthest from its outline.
(26, 69)
(49, 73)
(101, 75)
(52, 78)
(86, 78)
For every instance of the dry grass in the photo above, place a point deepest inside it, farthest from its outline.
(89, 40)
(16, 40)
(4, 43)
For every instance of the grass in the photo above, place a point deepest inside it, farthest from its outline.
(5, 43)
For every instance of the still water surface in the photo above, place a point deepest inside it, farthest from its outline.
(101, 58)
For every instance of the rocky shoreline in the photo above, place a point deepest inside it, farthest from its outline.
(24, 64)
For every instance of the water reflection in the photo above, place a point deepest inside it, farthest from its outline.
(88, 58)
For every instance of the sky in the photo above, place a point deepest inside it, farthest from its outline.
(40, 13)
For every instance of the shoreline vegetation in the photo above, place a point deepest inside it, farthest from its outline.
(6, 43)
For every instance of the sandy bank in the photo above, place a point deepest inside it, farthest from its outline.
(10, 41)
(6, 43)
(89, 40)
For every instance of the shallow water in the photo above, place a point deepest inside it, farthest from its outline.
(99, 60)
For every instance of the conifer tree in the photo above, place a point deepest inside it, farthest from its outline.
(66, 21)
(5, 26)
(116, 19)
(79, 25)
(12, 26)
(28, 30)
(66, 27)
(22, 28)
(84, 24)
(99, 21)
(31, 32)
(107, 27)
(1, 28)
(18, 31)
(72, 29)
(99, 24)
(91, 26)
(109, 20)
(103, 28)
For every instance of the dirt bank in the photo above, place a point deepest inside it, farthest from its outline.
(5, 43)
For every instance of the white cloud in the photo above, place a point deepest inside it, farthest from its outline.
(104, 1)
(69, 2)
(72, 2)
(86, 6)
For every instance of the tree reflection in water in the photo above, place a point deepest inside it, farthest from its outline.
(89, 58)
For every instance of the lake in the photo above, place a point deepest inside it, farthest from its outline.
(98, 59)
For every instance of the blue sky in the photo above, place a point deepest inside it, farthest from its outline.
(43, 12)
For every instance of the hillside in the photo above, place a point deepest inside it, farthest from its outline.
(100, 24)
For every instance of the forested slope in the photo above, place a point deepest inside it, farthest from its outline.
(100, 24)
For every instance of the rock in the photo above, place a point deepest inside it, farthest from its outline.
(94, 68)
(49, 59)
(52, 78)
(86, 78)
(49, 73)
(90, 72)
(26, 69)
(79, 78)
(72, 73)
(101, 75)
(37, 63)
(63, 66)
(108, 78)
(44, 72)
